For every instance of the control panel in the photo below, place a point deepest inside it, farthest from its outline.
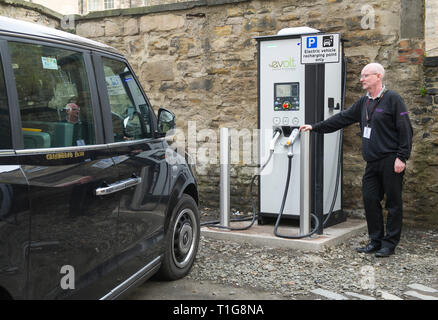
(286, 96)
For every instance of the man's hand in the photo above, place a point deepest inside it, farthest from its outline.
(399, 166)
(305, 127)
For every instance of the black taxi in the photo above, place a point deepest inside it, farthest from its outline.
(90, 205)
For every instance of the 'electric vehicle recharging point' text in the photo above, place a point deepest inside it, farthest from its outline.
(300, 81)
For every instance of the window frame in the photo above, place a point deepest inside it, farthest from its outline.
(14, 108)
(95, 3)
(105, 103)
(106, 4)
(12, 96)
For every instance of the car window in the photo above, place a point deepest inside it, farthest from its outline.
(53, 96)
(129, 110)
(5, 126)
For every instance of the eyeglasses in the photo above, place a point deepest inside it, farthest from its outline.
(364, 76)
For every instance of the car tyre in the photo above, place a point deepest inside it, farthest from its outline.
(182, 240)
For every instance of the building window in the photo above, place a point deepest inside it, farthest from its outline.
(93, 5)
(108, 4)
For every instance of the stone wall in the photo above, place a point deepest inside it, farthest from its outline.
(431, 27)
(199, 59)
(31, 12)
(423, 181)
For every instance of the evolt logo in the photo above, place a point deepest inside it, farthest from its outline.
(284, 64)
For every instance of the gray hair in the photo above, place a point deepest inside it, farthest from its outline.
(377, 68)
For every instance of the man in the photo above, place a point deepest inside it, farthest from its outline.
(72, 111)
(386, 146)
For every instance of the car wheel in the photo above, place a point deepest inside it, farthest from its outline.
(182, 240)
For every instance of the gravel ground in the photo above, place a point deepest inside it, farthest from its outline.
(293, 274)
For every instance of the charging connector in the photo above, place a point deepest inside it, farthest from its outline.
(290, 142)
(277, 134)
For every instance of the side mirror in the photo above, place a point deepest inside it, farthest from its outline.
(166, 121)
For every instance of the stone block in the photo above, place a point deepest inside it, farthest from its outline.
(133, 44)
(234, 12)
(90, 29)
(260, 24)
(112, 29)
(159, 44)
(158, 70)
(223, 31)
(131, 27)
(201, 84)
(182, 45)
(288, 17)
(235, 21)
(165, 22)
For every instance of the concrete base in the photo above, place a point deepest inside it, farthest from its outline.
(263, 235)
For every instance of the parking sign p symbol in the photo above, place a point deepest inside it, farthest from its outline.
(311, 42)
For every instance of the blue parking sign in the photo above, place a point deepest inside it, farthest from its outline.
(312, 42)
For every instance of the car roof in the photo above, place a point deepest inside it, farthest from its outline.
(9, 26)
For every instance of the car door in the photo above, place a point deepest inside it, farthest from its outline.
(64, 160)
(14, 202)
(140, 159)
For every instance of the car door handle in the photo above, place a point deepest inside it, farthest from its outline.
(117, 186)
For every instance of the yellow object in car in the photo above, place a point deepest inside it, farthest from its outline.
(31, 129)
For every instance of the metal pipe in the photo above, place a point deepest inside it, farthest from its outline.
(225, 177)
(305, 193)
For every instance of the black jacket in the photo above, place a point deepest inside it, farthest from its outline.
(391, 129)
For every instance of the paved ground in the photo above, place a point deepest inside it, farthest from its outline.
(188, 289)
(192, 299)
(227, 270)
(231, 270)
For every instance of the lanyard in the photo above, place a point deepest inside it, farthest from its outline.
(374, 108)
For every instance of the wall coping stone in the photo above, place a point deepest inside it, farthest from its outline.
(33, 6)
(156, 9)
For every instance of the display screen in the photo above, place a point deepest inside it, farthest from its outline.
(287, 96)
(283, 90)
(286, 90)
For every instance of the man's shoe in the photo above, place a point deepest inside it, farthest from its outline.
(384, 252)
(369, 248)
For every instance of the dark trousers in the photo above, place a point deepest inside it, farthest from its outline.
(379, 180)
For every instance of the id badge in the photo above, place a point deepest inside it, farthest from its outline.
(367, 132)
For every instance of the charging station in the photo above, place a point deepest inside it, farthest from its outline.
(301, 77)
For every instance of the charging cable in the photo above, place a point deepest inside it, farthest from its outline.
(290, 155)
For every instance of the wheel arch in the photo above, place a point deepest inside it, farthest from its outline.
(183, 185)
